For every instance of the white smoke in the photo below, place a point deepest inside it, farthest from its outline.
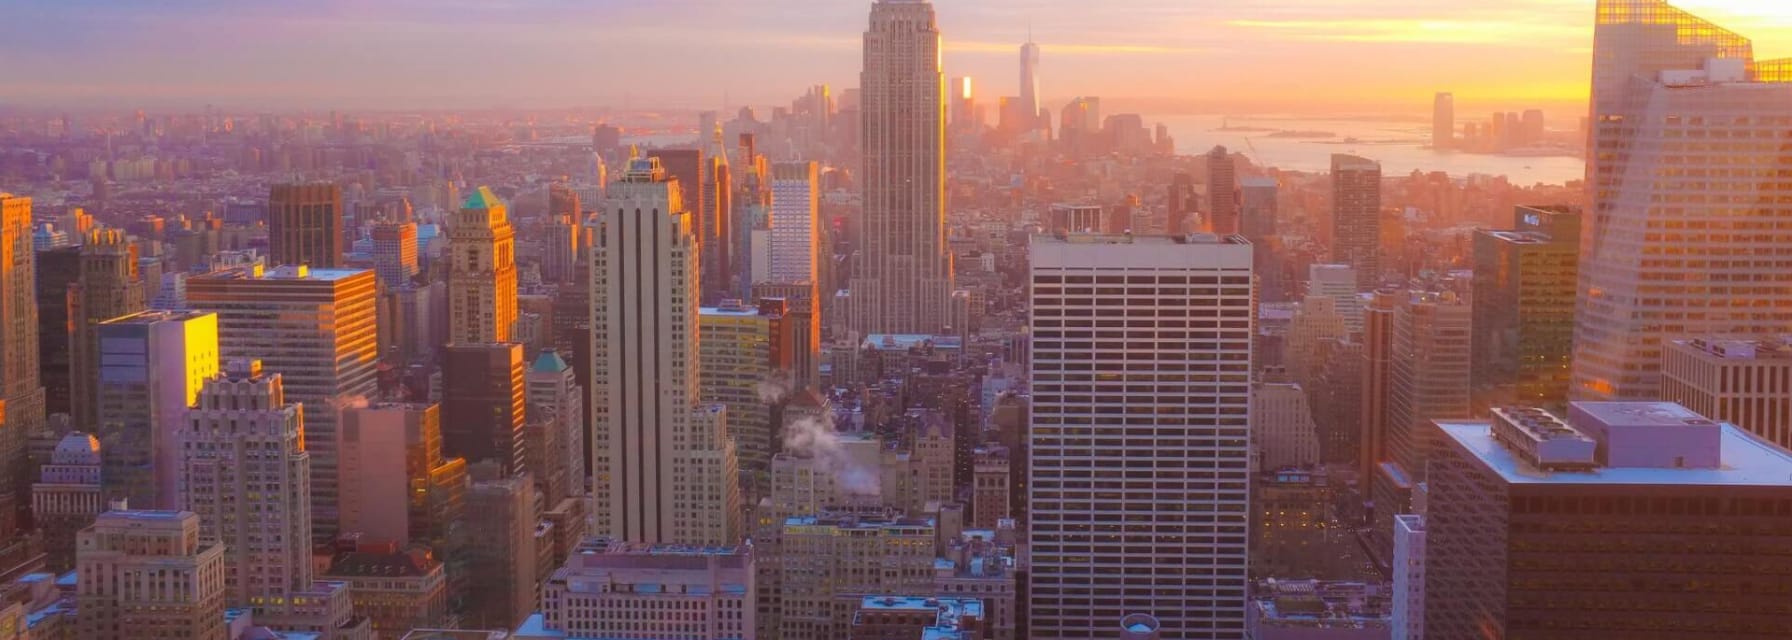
(775, 387)
(816, 439)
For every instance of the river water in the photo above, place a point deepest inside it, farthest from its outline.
(1400, 146)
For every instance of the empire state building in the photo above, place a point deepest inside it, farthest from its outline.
(902, 277)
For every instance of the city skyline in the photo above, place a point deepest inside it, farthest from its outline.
(547, 53)
(929, 353)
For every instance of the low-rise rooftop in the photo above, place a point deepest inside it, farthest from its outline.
(1745, 461)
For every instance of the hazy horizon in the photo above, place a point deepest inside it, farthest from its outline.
(1155, 56)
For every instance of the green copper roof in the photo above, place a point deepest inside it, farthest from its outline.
(549, 362)
(483, 199)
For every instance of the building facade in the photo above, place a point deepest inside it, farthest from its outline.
(664, 469)
(148, 574)
(154, 364)
(305, 225)
(796, 222)
(903, 275)
(738, 366)
(1626, 519)
(109, 287)
(20, 388)
(485, 404)
(501, 553)
(698, 593)
(1409, 577)
(481, 272)
(1524, 290)
(395, 253)
(417, 502)
(830, 561)
(1174, 294)
(1356, 217)
(245, 473)
(1666, 258)
(1745, 382)
(324, 320)
(67, 497)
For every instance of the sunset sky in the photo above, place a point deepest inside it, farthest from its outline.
(1169, 54)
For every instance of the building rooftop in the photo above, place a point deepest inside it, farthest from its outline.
(742, 311)
(1137, 239)
(1521, 237)
(482, 198)
(883, 341)
(454, 634)
(1740, 348)
(1410, 522)
(1313, 603)
(152, 317)
(949, 612)
(1746, 461)
(856, 521)
(1642, 414)
(599, 545)
(549, 362)
(374, 565)
(284, 272)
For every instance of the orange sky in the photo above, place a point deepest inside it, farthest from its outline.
(1151, 55)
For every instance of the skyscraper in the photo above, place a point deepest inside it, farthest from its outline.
(964, 105)
(796, 222)
(418, 501)
(153, 365)
(23, 395)
(395, 253)
(664, 468)
(1356, 217)
(1338, 282)
(1160, 546)
(902, 281)
(1257, 209)
(1443, 121)
(557, 407)
(687, 167)
(57, 270)
(305, 225)
(803, 317)
(559, 264)
(1428, 380)
(118, 600)
(484, 404)
(1222, 193)
(501, 552)
(717, 233)
(1670, 250)
(245, 472)
(1257, 213)
(1184, 202)
(1377, 370)
(1524, 308)
(481, 272)
(741, 352)
(1029, 82)
(109, 287)
(324, 321)
(1544, 527)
